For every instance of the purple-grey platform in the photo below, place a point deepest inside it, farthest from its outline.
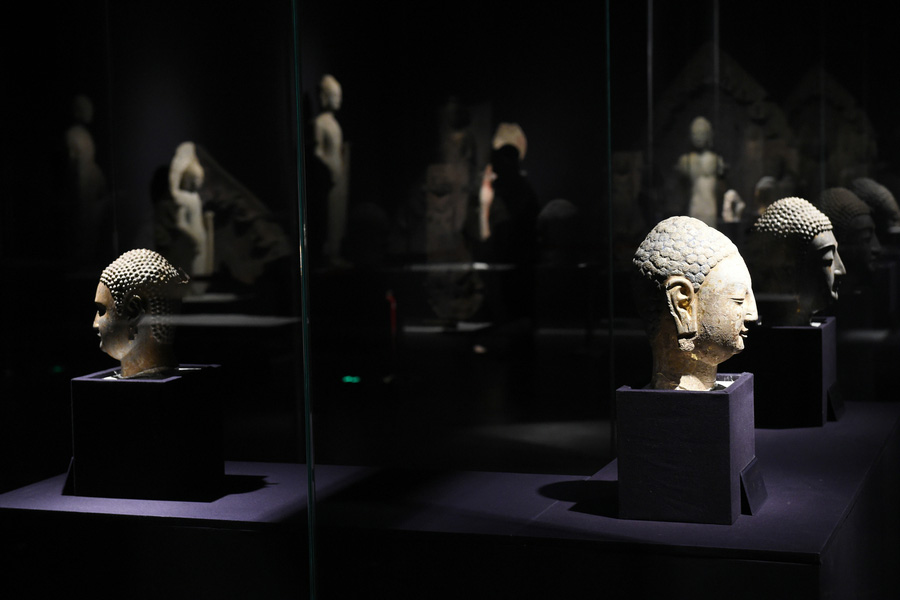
(829, 529)
(681, 454)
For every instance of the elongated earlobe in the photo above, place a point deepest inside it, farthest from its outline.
(682, 306)
(134, 311)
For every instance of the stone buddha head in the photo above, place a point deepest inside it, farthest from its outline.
(695, 295)
(137, 294)
(793, 256)
(885, 211)
(854, 230)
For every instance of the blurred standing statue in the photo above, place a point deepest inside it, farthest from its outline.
(137, 294)
(694, 292)
(793, 254)
(332, 152)
(86, 184)
(448, 181)
(702, 171)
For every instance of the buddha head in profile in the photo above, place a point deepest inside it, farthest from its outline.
(695, 295)
(137, 294)
(854, 230)
(793, 255)
(885, 211)
(330, 95)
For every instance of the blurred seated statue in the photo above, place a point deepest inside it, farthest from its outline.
(793, 255)
(854, 230)
(137, 294)
(885, 211)
(702, 169)
(694, 293)
(233, 236)
(186, 176)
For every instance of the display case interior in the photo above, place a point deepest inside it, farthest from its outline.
(409, 233)
(461, 321)
(103, 113)
(800, 119)
(438, 360)
(168, 126)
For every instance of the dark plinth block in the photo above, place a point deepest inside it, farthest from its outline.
(795, 374)
(155, 439)
(874, 303)
(682, 454)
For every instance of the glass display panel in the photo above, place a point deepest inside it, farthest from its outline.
(795, 105)
(441, 339)
(170, 126)
(471, 183)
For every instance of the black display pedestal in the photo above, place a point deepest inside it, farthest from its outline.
(874, 302)
(688, 456)
(153, 439)
(795, 371)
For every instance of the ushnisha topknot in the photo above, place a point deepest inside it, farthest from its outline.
(792, 219)
(147, 274)
(681, 246)
(842, 206)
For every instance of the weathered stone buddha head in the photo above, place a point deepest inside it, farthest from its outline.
(793, 255)
(854, 230)
(137, 294)
(885, 211)
(694, 292)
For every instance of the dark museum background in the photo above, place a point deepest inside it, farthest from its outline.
(223, 75)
